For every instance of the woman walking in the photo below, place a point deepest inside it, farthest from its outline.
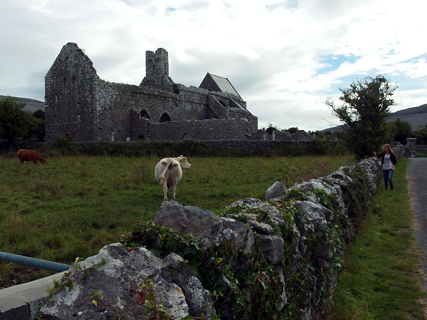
(388, 161)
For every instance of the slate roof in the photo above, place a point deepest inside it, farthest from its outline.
(212, 82)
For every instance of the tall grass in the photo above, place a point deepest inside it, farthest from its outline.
(75, 205)
(380, 279)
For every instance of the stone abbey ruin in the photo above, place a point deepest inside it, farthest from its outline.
(88, 109)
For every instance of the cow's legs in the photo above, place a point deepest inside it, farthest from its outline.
(165, 191)
(173, 187)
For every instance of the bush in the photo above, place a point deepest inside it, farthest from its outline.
(189, 148)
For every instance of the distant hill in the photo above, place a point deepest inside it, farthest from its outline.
(31, 105)
(416, 117)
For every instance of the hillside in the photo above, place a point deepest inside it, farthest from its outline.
(31, 105)
(416, 117)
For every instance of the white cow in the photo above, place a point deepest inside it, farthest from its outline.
(168, 173)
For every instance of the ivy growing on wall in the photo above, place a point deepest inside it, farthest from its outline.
(246, 285)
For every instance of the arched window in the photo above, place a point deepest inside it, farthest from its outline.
(144, 114)
(186, 136)
(165, 118)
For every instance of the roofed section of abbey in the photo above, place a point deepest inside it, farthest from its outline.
(88, 109)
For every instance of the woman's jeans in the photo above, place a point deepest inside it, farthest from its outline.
(388, 174)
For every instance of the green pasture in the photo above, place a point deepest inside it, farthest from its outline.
(73, 206)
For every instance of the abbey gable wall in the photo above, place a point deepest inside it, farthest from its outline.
(88, 109)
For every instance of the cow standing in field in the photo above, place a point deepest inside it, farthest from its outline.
(29, 155)
(168, 172)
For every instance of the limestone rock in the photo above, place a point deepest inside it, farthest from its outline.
(190, 220)
(272, 248)
(117, 281)
(211, 228)
(261, 227)
(253, 203)
(323, 263)
(275, 191)
(323, 251)
(372, 186)
(314, 211)
(308, 186)
(340, 175)
(199, 300)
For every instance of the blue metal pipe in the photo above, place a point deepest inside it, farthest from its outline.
(38, 263)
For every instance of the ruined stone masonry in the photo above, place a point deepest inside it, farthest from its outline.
(88, 109)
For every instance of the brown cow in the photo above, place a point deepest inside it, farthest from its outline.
(28, 155)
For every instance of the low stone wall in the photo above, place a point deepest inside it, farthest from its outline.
(252, 145)
(276, 258)
(421, 148)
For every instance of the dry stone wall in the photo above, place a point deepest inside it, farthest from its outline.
(273, 258)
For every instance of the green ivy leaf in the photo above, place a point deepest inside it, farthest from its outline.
(69, 285)
(150, 296)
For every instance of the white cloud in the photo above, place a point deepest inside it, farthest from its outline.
(278, 54)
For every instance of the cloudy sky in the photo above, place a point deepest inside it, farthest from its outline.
(283, 57)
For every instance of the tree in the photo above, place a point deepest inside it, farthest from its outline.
(400, 130)
(40, 114)
(364, 109)
(14, 122)
(37, 125)
(292, 130)
(421, 135)
(271, 128)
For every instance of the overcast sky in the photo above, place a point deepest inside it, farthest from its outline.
(283, 57)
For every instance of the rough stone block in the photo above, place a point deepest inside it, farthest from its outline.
(275, 191)
(272, 248)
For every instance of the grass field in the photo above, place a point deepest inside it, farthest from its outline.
(380, 279)
(73, 206)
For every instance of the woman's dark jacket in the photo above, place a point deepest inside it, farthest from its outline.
(392, 157)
